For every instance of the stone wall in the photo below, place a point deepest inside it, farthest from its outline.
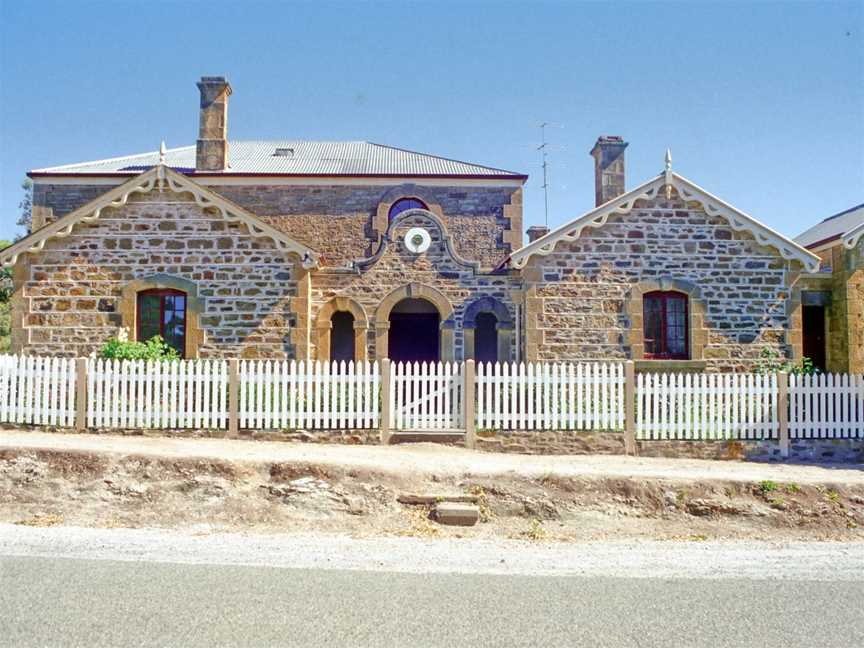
(393, 267)
(337, 220)
(69, 297)
(578, 300)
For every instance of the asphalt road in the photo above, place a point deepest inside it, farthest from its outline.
(49, 601)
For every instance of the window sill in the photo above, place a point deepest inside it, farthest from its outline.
(668, 366)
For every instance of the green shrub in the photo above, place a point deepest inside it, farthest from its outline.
(770, 362)
(153, 349)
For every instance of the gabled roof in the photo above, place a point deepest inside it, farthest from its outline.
(295, 158)
(850, 240)
(690, 191)
(159, 178)
(833, 227)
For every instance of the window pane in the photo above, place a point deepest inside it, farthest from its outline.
(652, 315)
(676, 321)
(403, 204)
(175, 322)
(149, 307)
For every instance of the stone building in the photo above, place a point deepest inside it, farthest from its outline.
(354, 250)
(831, 318)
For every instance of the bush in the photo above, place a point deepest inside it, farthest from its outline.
(121, 348)
(770, 362)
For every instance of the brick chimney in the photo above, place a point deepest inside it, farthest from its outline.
(536, 231)
(212, 150)
(608, 155)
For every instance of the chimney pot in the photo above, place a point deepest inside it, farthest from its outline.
(536, 231)
(212, 148)
(608, 153)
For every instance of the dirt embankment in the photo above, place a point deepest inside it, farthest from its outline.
(46, 487)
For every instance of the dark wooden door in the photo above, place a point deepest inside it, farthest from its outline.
(413, 337)
(814, 335)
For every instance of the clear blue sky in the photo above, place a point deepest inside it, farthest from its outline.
(762, 104)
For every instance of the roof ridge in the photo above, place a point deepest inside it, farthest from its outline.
(111, 159)
(843, 213)
(441, 157)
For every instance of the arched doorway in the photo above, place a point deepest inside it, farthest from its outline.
(342, 342)
(486, 338)
(488, 330)
(414, 331)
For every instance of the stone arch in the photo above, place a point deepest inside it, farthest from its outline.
(380, 220)
(194, 307)
(696, 314)
(414, 291)
(504, 326)
(324, 327)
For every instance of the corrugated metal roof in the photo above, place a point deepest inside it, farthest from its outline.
(833, 227)
(299, 158)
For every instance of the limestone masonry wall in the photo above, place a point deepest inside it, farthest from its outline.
(578, 300)
(337, 220)
(69, 297)
(396, 267)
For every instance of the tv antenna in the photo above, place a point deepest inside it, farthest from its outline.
(544, 148)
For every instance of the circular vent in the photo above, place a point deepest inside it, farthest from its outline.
(417, 240)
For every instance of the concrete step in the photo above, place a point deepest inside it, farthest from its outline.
(457, 513)
(434, 436)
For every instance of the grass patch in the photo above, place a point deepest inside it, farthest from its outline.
(768, 486)
(536, 532)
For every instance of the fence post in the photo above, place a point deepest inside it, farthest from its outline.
(783, 412)
(468, 389)
(384, 425)
(233, 397)
(630, 407)
(80, 394)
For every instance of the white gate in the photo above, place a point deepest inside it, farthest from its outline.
(427, 396)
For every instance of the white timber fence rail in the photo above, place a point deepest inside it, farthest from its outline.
(707, 406)
(313, 395)
(124, 394)
(826, 406)
(540, 396)
(38, 391)
(429, 397)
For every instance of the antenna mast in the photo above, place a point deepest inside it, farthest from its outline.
(542, 148)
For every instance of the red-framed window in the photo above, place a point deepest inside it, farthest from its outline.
(403, 204)
(664, 316)
(163, 313)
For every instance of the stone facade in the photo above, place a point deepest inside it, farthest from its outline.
(841, 285)
(73, 295)
(341, 220)
(583, 300)
(439, 275)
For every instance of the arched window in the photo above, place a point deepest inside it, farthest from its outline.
(163, 312)
(342, 336)
(664, 316)
(403, 204)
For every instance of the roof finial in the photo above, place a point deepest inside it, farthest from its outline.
(668, 160)
(162, 152)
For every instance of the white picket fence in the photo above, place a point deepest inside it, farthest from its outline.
(706, 406)
(427, 396)
(39, 391)
(826, 406)
(541, 396)
(314, 395)
(125, 394)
